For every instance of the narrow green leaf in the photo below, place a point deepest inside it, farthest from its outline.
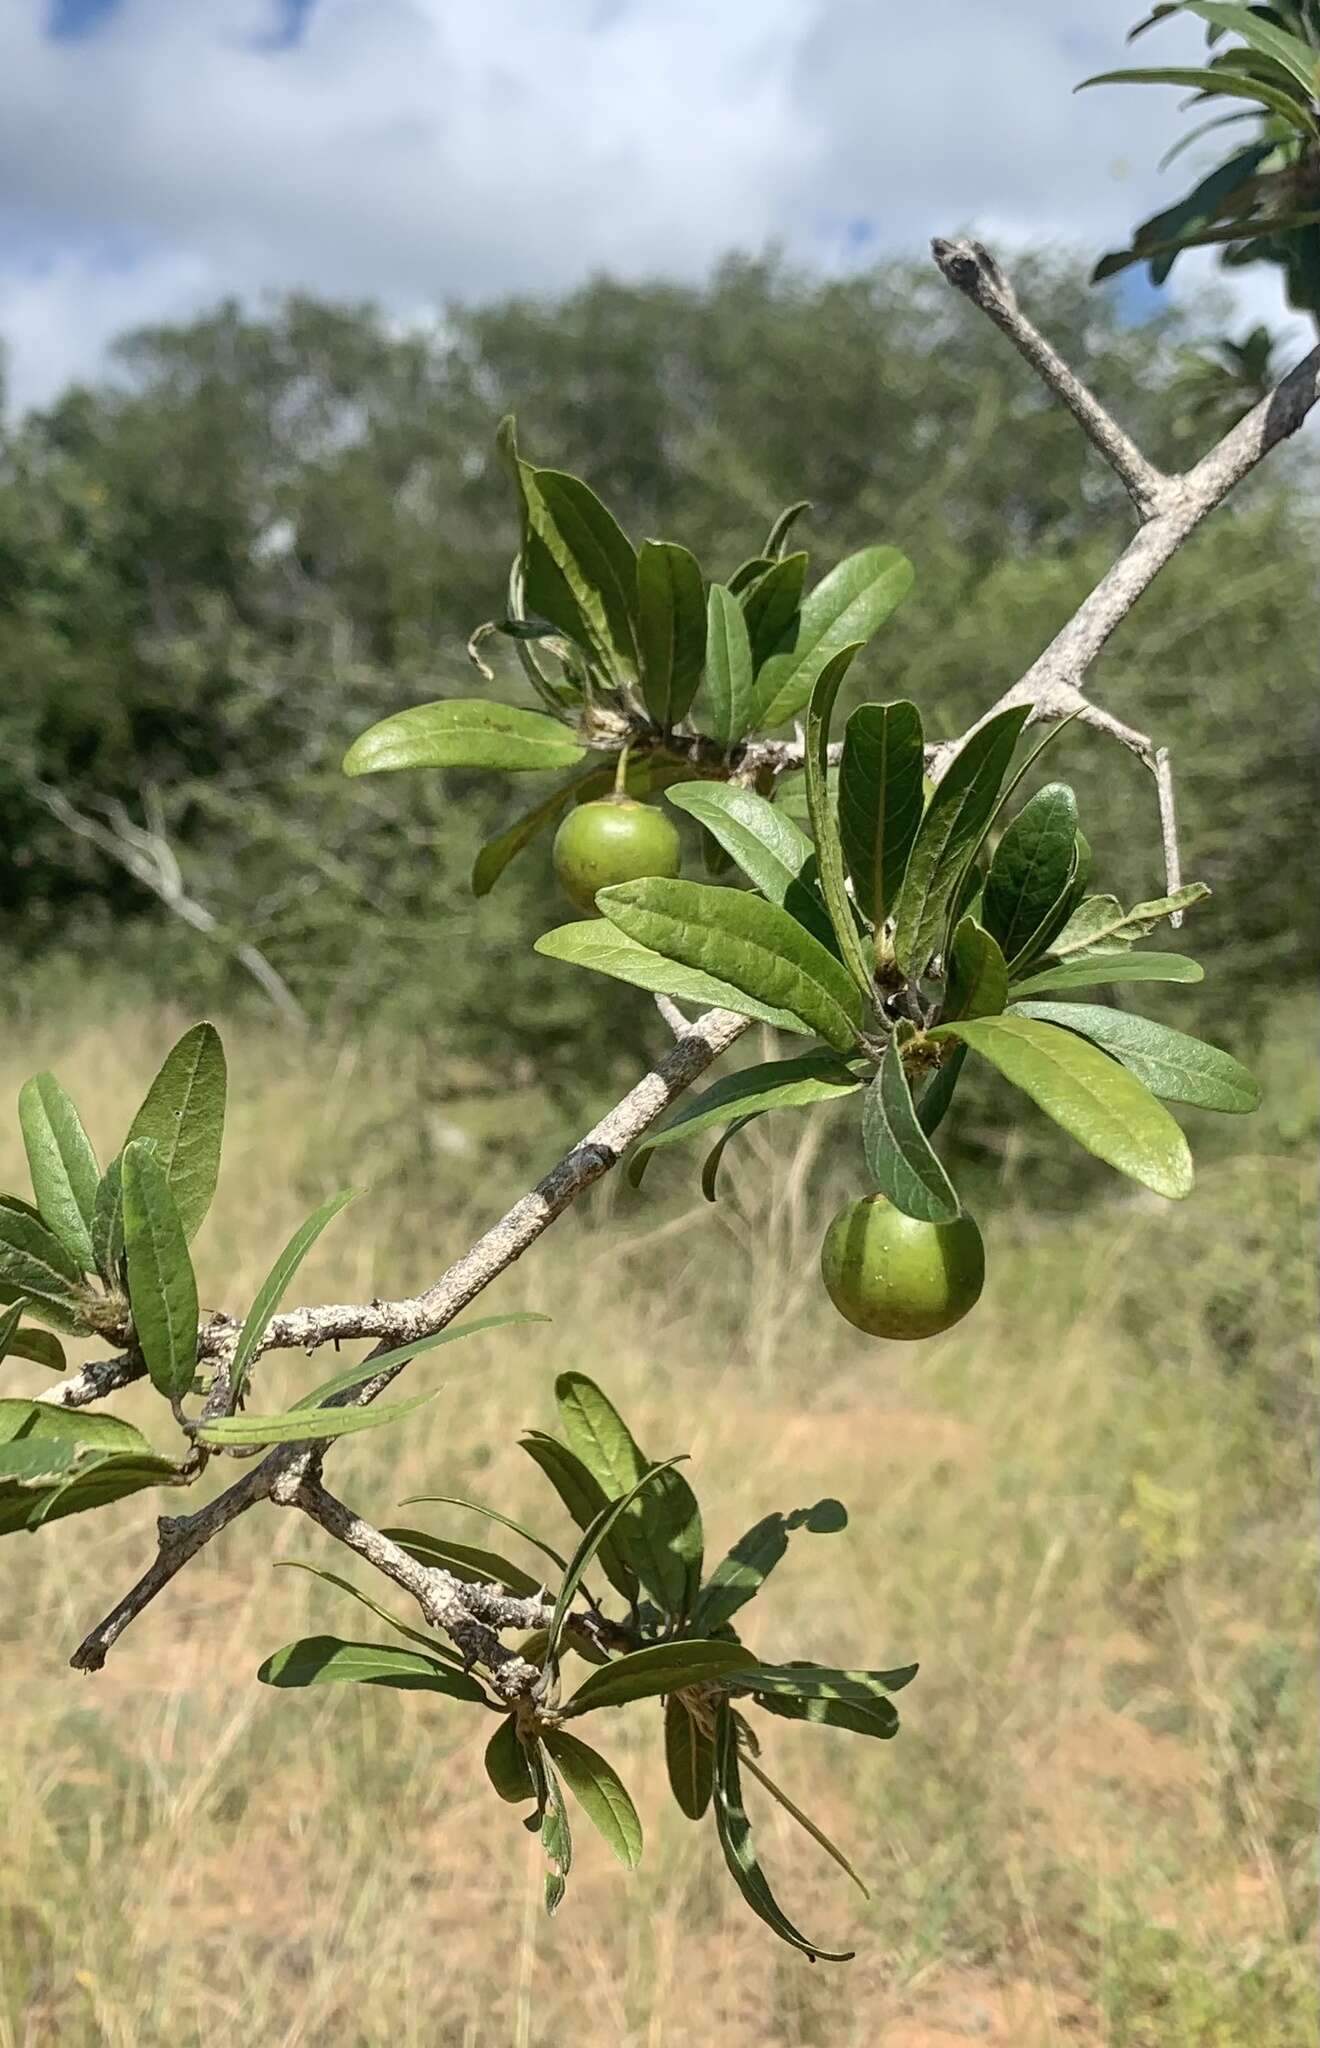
(661, 1535)
(880, 800)
(1298, 60)
(162, 1287)
(899, 1158)
(183, 1116)
(597, 944)
(729, 693)
(1031, 872)
(822, 811)
(453, 1500)
(826, 1682)
(813, 1078)
(368, 1368)
(1169, 1063)
(772, 607)
(1098, 970)
(87, 1429)
(584, 1497)
(325, 1660)
(556, 1835)
(977, 979)
(108, 1222)
(593, 554)
(592, 1538)
(1217, 84)
(769, 848)
(748, 944)
(507, 1766)
(272, 1289)
(36, 1345)
(710, 1169)
(600, 1793)
(877, 1718)
(464, 732)
(671, 628)
(659, 1668)
(689, 1759)
(738, 1577)
(56, 1462)
(948, 838)
(805, 1822)
(65, 1174)
(307, 1425)
(34, 1264)
(735, 1834)
(749, 573)
(466, 1561)
(937, 1094)
(844, 610)
(412, 1635)
(1091, 1097)
(777, 538)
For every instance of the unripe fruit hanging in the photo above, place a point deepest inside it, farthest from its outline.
(893, 1276)
(615, 839)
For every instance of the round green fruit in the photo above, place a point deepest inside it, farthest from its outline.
(893, 1276)
(616, 839)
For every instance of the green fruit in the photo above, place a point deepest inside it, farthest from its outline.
(895, 1277)
(614, 840)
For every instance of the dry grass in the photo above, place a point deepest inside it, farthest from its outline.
(1088, 1513)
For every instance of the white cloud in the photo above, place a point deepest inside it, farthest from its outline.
(417, 150)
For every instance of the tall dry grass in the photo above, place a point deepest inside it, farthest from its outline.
(1088, 1512)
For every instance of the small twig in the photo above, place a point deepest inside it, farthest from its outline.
(971, 269)
(1168, 828)
(672, 1015)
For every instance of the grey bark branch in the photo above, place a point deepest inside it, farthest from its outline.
(1170, 510)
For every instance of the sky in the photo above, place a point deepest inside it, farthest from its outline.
(157, 155)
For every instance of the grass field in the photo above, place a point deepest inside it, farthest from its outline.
(1089, 1513)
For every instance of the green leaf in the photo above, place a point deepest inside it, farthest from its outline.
(899, 1158)
(600, 1793)
(466, 1561)
(556, 1835)
(729, 692)
(880, 800)
(453, 1500)
(34, 1264)
(36, 1345)
(464, 732)
(671, 628)
(751, 946)
(307, 1425)
(598, 945)
(272, 1289)
(108, 1222)
(689, 1759)
(741, 1575)
(1220, 83)
(65, 1174)
(946, 844)
(592, 1538)
(184, 1118)
(594, 556)
(368, 1368)
(710, 1170)
(777, 537)
(659, 1668)
(162, 1287)
(1101, 969)
(1169, 1063)
(585, 1498)
(412, 1635)
(877, 1718)
(1296, 57)
(661, 1534)
(821, 809)
(1096, 1101)
(844, 610)
(497, 854)
(805, 1822)
(826, 1682)
(735, 1833)
(779, 1084)
(325, 1660)
(507, 1766)
(749, 573)
(938, 1092)
(772, 607)
(1031, 872)
(977, 976)
(769, 848)
(60, 1461)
